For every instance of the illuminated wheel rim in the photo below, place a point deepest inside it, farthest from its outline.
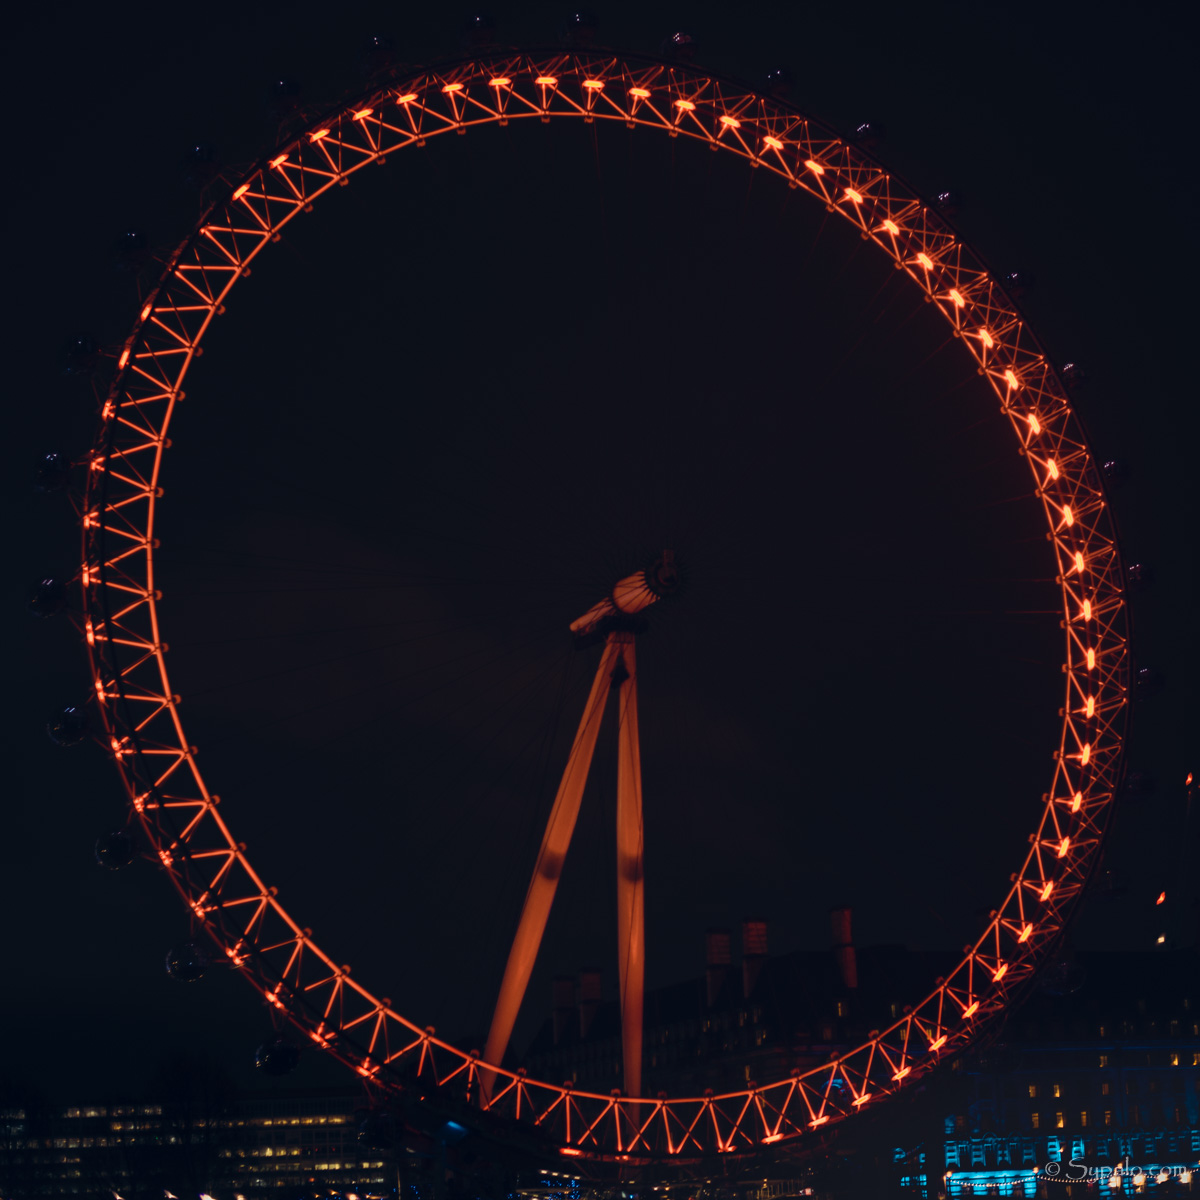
(145, 734)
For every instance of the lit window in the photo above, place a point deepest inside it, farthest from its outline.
(1059, 1123)
(1105, 1088)
(1104, 1060)
(1034, 1120)
(1083, 1119)
(1033, 1091)
(1108, 1116)
(1055, 1090)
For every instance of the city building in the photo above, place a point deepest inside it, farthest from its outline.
(246, 1145)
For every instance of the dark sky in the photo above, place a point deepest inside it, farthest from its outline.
(466, 394)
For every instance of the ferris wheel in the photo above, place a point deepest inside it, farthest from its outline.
(197, 845)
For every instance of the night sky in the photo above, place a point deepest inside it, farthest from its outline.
(467, 394)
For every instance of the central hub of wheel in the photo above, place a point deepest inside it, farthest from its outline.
(618, 611)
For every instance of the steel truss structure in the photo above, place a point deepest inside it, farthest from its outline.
(144, 730)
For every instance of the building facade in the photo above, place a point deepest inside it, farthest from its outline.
(246, 1146)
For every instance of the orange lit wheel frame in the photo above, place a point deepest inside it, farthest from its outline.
(144, 728)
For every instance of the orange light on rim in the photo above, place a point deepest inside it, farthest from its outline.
(124, 359)
(407, 98)
(640, 93)
(241, 191)
(546, 81)
(773, 142)
(731, 122)
(925, 260)
(318, 134)
(685, 106)
(853, 196)
(986, 338)
(451, 88)
(278, 160)
(956, 296)
(593, 85)
(891, 227)
(814, 166)
(362, 114)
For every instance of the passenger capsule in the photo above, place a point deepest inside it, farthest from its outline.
(1140, 783)
(868, 134)
(1017, 283)
(187, 963)
(1147, 683)
(1062, 976)
(131, 250)
(779, 82)
(947, 203)
(200, 166)
(1073, 375)
(49, 598)
(680, 46)
(277, 1057)
(285, 97)
(378, 53)
(81, 356)
(52, 473)
(115, 850)
(1116, 471)
(68, 728)
(479, 31)
(578, 29)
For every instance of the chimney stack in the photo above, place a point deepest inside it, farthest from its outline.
(843, 946)
(718, 956)
(563, 996)
(754, 953)
(589, 1000)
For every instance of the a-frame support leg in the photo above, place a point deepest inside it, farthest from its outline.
(546, 872)
(631, 922)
